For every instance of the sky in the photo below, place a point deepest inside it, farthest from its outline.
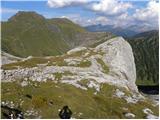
(119, 13)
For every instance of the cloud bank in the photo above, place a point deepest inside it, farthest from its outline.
(110, 7)
(64, 3)
(113, 12)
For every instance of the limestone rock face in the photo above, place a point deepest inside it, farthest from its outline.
(119, 57)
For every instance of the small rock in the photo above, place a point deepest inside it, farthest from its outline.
(24, 83)
(129, 115)
(119, 93)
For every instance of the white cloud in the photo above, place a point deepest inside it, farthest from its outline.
(81, 20)
(64, 3)
(113, 12)
(145, 18)
(103, 20)
(110, 7)
(148, 14)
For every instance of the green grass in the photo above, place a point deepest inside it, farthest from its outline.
(102, 40)
(83, 82)
(29, 33)
(84, 63)
(59, 75)
(103, 65)
(102, 105)
(145, 82)
(52, 61)
(27, 63)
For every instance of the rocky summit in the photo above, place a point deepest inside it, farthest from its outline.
(95, 82)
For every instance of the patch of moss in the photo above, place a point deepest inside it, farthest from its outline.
(66, 73)
(103, 65)
(58, 76)
(84, 63)
(83, 82)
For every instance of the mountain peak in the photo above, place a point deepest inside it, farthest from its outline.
(25, 15)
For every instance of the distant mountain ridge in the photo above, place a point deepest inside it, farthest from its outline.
(30, 34)
(110, 28)
(130, 31)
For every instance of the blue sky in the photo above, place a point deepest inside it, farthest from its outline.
(88, 12)
(41, 7)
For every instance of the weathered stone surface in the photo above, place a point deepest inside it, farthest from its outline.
(7, 58)
(119, 57)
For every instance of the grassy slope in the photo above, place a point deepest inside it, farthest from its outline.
(28, 33)
(145, 48)
(102, 105)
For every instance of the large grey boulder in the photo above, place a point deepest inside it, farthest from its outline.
(119, 57)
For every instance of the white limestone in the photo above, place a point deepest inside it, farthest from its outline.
(76, 50)
(129, 115)
(119, 57)
(94, 85)
(149, 114)
(119, 93)
(8, 58)
(24, 83)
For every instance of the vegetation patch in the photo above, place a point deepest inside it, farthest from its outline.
(83, 82)
(59, 75)
(27, 63)
(38, 101)
(84, 63)
(101, 105)
(145, 82)
(102, 40)
(103, 65)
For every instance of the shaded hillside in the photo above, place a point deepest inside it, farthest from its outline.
(145, 47)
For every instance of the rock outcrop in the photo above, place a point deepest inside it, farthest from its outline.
(119, 57)
(111, 62)
(7, 58)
